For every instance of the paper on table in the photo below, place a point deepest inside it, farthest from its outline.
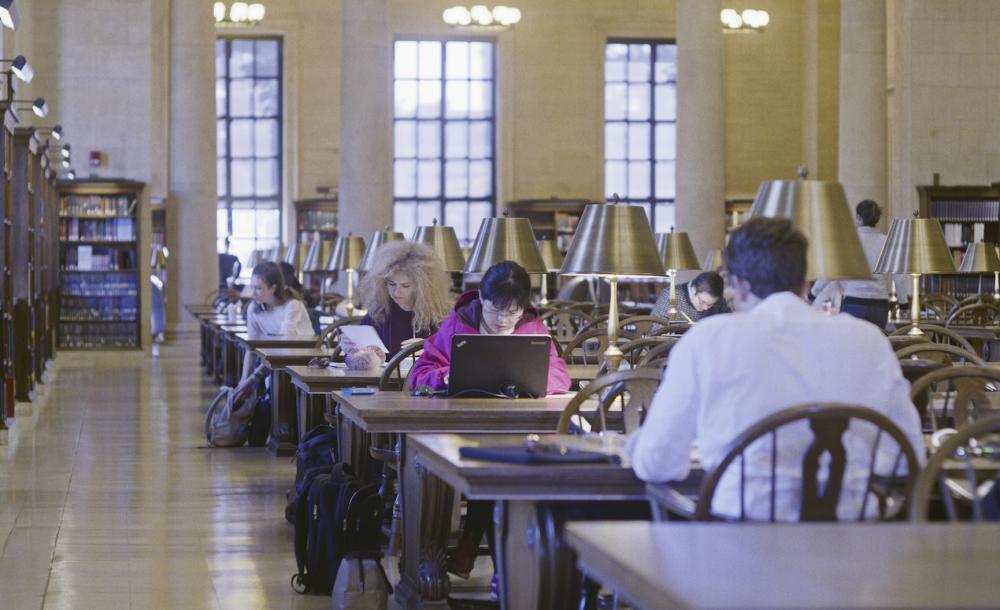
(363, 336)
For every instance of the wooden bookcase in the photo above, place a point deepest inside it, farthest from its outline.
(315, 218)
(24, 168)
(7, 284)
(551, 218)
(99, 260)
(968, 214)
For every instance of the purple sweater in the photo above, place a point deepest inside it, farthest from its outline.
(395, 328)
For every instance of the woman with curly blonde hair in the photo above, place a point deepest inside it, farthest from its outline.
(406, 295)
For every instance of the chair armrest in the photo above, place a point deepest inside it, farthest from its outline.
(665, 500)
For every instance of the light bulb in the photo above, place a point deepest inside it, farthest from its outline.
(238, 12)
(481, 15)
(730, 18)
(219, 9)
(255, 12)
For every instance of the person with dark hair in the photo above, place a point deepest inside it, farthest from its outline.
(229, 267)
(866, 299)
(294, 286)
(730, 372)
(697, 299)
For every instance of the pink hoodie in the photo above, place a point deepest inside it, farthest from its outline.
(435, 362)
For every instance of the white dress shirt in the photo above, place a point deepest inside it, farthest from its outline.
(729, 372)
(289, 318)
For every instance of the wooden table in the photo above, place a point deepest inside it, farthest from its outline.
(581, 372)
(283, 400)
(313, 387)
(716, 565)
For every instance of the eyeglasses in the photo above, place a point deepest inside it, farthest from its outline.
(492, 312)
(319, 362)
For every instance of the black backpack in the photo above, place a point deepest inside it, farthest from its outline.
(317, 451)
(337, 514)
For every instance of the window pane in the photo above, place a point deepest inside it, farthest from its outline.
(665, 68)
(614, 102)
(405, 59)
(480, 140)
(456, 215)
(638, 180)
(220, 58)
(480, 178)
(268, 224)
(221, 141)
(638, 62)
(220, 97)
(266, 141)
(616, 52)
(266, 175)
(243, 222)
(221, 177)
(664, 217)
(666, 187)
(456, 139)
(430, 99)
(478, 210)
(638, 102)
(222, 222)
(429, 139)
(481, 60)
(614, 69)
(666, 141)
(666, 103)
(404, 217)
(429, 179)
(430, 59)
(404, 178)
(267, 58)
(404, 141)
(480, 99)
(638, 141)
(242, 138)
(457, 60)
(241, 97)
(456, 179)
(405, 98)
(266, 101)
(457, 99)
(427, 213)
(614, 141)
(614, 178)
(241, 58)
(242, 182)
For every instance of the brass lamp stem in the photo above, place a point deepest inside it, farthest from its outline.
(350, 292)
(996, 285)
(673, 294)
(893, 300)
(545, 290)
(613, 356)
(915, 307)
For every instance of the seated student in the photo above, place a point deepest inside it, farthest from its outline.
(406, 295)
(295, 287)
(729, 372)
(501, 306)
(697, 299)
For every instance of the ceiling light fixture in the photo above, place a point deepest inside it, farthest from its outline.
(239, 14)
(56, 132)
(481, 17)
(38, 106)
(749, 20)
(20, 68)
(65, 151)
(71, 175)
(9, 15)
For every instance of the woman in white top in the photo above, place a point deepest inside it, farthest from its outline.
(274, 310)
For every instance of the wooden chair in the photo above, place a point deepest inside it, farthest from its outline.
(636, 349)
(564, 324)
(936, 334)
(599, 321)
(656, 357)
(638, 384)
(393, 377)
(673, 329)
(642, 325)
(964, 391)
(937, 351)
(592, 344)
(977, 314)
(954, 469)
(937, 305)
(829, 423)
(329, 336)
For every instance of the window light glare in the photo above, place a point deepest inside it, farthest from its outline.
(219, 10)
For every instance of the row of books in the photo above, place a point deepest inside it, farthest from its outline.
(98, 258)
(118, 285)
(96, 205)
(98, 335)
(959, 285)
(958, 235)
(108, 229)
(118, 309)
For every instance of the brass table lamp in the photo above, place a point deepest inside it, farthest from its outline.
(915, 246)
(378, 239)
(318, 255)
(553, 260)
(996, 278)
(677, 254)
(444, 243)
(613, 241)
(346, 256)
(981, 258)
(505, 239)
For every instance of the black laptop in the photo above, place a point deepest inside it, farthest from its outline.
(499, 365)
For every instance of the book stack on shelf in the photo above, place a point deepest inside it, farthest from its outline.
(316, 219)
(553, 218)
(99, 233)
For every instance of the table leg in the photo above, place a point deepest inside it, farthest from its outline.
(426, 505)
(231, 361)
(309, 410)
(283, 439)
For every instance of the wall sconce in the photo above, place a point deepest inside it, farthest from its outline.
(481, 17)
(239, 14)
(749, 20)
(9, 15)
(56, 132)
(38, 106)
(71, 175)
(20, 67)
(65, 151)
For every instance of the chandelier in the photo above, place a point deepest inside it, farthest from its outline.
(481, 17)
(750, 20)
(239, 14)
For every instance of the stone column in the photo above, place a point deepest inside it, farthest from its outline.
(365, 202)
(701, 141)
(191, 203)
(863, 152)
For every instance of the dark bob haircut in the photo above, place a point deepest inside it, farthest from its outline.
(869, 212)
(504, 284)
(710, 282)
(770, 253)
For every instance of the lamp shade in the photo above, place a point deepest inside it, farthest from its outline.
(917, 246)
(551, 256)
(296, 255)
(980, 258)
(676, 251)
(505, 239)
(276, 254)
(444, 243)
(347, 253)
(613, 240)
(378, 239)
(713, 261)
(819, 209)
(319, 253)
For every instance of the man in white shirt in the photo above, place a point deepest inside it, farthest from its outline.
(729, 372)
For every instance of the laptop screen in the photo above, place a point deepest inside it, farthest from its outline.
(505, 366)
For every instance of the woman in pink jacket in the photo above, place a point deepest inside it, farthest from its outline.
(501, 306)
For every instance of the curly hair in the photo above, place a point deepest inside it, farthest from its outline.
(432, 301)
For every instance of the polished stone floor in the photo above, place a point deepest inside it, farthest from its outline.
(110, 499)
